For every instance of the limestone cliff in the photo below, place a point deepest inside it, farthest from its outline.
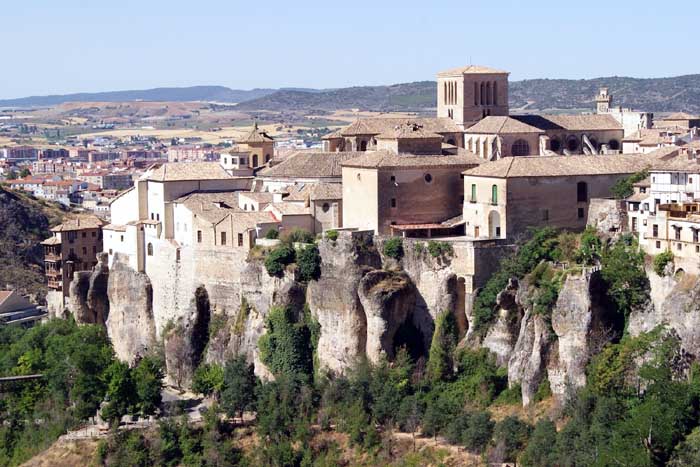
(130, 323)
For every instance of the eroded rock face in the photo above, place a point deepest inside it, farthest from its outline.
(389, 301)
(582, 323)
(503, 334)
(528, 361)
(334, 300)
(675, 303)
(87, 299)
(130, 324)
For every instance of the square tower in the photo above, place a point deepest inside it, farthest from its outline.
(468, 94)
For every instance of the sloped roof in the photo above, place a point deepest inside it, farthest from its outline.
(256, 135)
(79, 223)
(471, 69)
(387, 159)
(496, 125)
(315, 191)
(677, 164)
(289, 209)
(679, 116)
(248, 219)
(184, 171)
(4, 295)
(560, 166)
(376, 126)
(310, 164)
(582, 122)
(211, 206)
(408, 130)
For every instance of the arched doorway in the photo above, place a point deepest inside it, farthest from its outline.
(494, 224)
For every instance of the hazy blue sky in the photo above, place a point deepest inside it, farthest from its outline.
(61, 46)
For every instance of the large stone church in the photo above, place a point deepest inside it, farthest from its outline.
(473, 113)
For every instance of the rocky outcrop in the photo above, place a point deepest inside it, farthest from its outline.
(583, 324)
(334, 301)
(503, 334)
(389, 301)
(608, 216)
(87, 298)
(675, 303)
(130, 324)
(527, 365)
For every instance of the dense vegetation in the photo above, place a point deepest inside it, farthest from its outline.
(79, 372)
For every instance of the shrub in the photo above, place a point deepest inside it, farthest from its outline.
(393, 248)
(208, 379)
(238, 382)
(544, 391)
(272, 234)
(589, 251)
(436, 249)
(539, 450)
(286, 346)
(511, 435)
(510, 396)
(278, 259)
(418, 248)
(332, 235)
(298, 235)
(660, 262)
(479, 378)
(444, 342)
(309, 262)
(623, 271)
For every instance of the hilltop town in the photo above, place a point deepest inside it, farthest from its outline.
(373, 235)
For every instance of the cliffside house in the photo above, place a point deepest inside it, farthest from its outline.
(144, 214)
(72, 247)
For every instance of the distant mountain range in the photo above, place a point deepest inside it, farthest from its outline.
(681, 93)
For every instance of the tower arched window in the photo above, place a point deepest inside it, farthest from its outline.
(255, 160)
(494, 194)
(488, 93)
(482, 95)
(520, 148)
(149, 249)
(476, 94)
(495, 94)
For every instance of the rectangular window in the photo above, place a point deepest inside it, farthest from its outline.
(646, 206)
(634, 224)
(658, 244)
(545, 214)
(157, 217)
(678, 233)
(94, 234)
(223, 238)
(393, 179)
(679, 246)
(240, 239)
(580, 213)
(84, 234)
(695, 235)
(655, 230)
(393, 202)
(94, 249)
(473, 197)
(199, 236)
(122, 237)
(85, 250)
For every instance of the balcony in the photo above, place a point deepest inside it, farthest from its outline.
(52, 257)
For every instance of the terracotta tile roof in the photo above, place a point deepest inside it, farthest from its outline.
(497, 125)
(245, 220)
(408, 130)
(562, 166)
(337, 134)
(182, 171)
(310, 164)
(583, 122)
(375, 126)
(387, 159)
(211, 206)
(79, 223)
(261, 197)
(679, 116)
(256, 135)
(115, 227)
(315, 191)
(471, 69)
(51, 241)
(644, 183)
(637, 197)
(677, 164)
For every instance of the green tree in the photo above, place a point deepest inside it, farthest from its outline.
(24, 173)
(148, 380)
(272, 234)
(688, 451)
(121, 392)
(539, 450)
(277, 260)
(442, 347)
(623, 271)
(208, 379)
(238, 393)
(309, 262)
(286, 346)
(660, 262)
(624, 187)
(511, 435)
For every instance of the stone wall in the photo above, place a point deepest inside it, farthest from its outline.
(608, 216)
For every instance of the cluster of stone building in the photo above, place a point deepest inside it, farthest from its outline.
(475, 175)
